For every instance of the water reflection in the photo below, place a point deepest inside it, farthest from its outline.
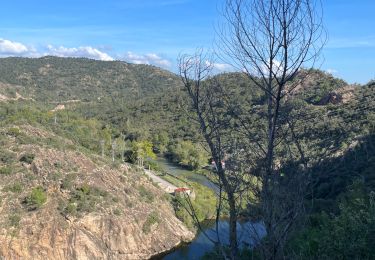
(248, 234)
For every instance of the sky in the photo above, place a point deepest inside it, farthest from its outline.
(157, 31)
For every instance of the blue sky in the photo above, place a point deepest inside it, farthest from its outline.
(156, 31)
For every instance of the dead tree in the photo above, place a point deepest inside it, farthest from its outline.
(271, 40)
(211, 104)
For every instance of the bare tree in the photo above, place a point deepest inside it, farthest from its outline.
(211, 104)
(271, 40)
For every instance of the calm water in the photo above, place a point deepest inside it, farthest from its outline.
(177, 171)
(247, 235)
(248, 232)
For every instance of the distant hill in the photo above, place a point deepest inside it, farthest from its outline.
(61, 79)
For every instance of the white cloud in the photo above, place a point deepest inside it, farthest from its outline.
(150, 58)
(221, 67)
(10, 48)
(85, 51)
(331, 71)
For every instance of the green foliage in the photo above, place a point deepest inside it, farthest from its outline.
(14, 220)
(6, 156)
(348, 235)
(204, 205)
(16, 187)
(6, 170)
(152, 219)
(160, 141)
(14, 131)
(146, 194)
(68, 181)
(27, 158)
(84, 199)
(37, 198)
(188, 154)
(117, 212)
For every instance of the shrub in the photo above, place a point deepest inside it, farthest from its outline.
(27, 158)
(151, 220)
(14, 220)
(16, 188)
(146, 194)
(14, 131)
(117, 212)
(37, 198)
(6, 156)
(6, 170)
(67, 183)
(84, 199)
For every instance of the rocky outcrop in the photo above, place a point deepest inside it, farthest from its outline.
(128, 217)
(342, 95)
(92, 237)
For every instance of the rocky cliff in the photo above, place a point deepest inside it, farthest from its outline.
(59, 202)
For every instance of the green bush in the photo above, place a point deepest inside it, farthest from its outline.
(37, 198)
(84, 199)
(347, 235)
(5, 170)
(188, 154)
(15, 188)
(14, 220)
(7, 157)
(152, 219)
(117, 212)
(146, 194)
(68, 181)
(14, 131)
(27, 158)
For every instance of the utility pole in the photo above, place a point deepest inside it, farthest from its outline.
(122, 148)
(113, 150)
(102, 146)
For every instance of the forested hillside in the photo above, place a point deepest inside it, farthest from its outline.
(144, 107)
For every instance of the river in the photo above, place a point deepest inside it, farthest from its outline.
(177, 171)
(248, 232)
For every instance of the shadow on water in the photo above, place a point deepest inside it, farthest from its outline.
(248, 233)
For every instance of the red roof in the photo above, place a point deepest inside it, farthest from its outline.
(181, 189)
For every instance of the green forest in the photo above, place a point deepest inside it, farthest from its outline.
(143, 110)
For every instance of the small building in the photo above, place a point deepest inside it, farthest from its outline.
(182, 190)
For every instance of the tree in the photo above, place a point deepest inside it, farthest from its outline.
(218, 127)
(270, 41)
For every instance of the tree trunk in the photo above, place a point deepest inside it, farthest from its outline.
(232, 227)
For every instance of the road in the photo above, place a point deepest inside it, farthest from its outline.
(166, 186)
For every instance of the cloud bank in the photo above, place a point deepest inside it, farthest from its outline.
(11, 48)
(86, 51)
(150, 59)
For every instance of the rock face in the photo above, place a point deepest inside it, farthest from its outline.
(92, 237)
(118, 212)
(342, 95)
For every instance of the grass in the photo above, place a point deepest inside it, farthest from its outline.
(14, 220)
(15, 188)
(146, 194)
(37, 198)
(84, 199)
(152, 219)
(6, 170)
